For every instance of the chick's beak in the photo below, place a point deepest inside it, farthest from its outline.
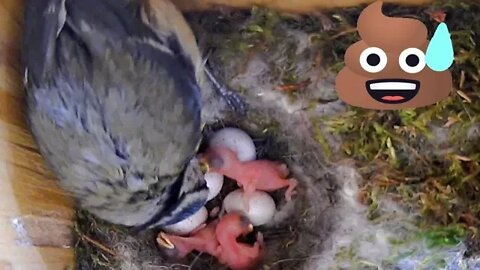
(250, 228)
(163, 241)
(204, 167)
(203, 162)
(246, 225)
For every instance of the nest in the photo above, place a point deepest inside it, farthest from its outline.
(298, 226)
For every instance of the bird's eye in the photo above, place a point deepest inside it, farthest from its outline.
(373, 59)
(412, 60)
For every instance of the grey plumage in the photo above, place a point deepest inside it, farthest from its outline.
(115, 108)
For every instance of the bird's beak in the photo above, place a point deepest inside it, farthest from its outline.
(163, 241)
(250, 228)
(204, 167)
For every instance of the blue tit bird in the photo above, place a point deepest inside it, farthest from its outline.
(117, 96)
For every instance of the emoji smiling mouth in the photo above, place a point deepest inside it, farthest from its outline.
(392, 91)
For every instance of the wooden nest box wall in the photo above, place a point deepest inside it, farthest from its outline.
(36, 217)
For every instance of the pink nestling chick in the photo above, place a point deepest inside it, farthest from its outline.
(203, 240)
(236, 255)
(219, 239)
(253, 175)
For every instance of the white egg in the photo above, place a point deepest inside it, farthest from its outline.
(237, 140)
(214, 184)
(261, 206)
(189, 224)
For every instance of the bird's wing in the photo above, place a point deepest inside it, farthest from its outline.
(45, 19)
(99, 24)
(111, 104)
(164, 17)
(91, 42)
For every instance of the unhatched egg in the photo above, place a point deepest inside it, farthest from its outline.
(189, 224)
(261, 206)
(237, 140)
(214, 184)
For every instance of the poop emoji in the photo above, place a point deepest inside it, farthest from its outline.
(394, 65)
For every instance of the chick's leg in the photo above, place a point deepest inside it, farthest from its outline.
(260, 240)
(282, 170)
(290, 190)
(248, 189)
(235, 101)
(214, 212)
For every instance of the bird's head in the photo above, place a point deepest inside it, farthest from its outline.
(185, 197)
(234, 225)
(169, 248)
(217, 159)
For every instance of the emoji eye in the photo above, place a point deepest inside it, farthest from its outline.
(373, 59)
(412, 60)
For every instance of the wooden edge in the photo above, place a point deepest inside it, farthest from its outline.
(291, 6)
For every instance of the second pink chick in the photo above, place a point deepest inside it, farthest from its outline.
(253, 175)
(218, 239)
